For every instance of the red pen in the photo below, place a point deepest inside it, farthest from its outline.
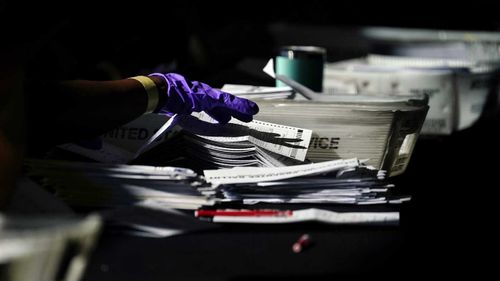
(303, 242)
(242, 213)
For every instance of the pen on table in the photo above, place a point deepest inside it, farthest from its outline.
(242, 213)
(303, 242)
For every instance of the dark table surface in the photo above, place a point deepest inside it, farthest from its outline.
(250, 252)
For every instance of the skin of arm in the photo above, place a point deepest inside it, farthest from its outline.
(66, 111)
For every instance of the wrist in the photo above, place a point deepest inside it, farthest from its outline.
(152, 91)
(162, 86)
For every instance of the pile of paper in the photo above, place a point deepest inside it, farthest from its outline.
(98, 185)
(382, 130)
(239, 144)
(140, 200)
(206, 142)
(348, 182)
(311, 190)
(150, 214)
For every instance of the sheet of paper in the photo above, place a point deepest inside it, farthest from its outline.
(164, 128)
(324, 216)
(122, 150)
(260, 174)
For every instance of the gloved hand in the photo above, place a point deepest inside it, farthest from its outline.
(184, 96)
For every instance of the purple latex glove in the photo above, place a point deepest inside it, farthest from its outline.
(184, 97)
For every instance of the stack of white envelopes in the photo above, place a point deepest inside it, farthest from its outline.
(383, 130)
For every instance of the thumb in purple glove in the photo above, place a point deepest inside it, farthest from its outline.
(184, 97)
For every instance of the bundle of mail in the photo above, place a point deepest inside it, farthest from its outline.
(141, 200)
(238, 144)
(348, 182)
(204, 141)
(383, 130)
(96, 185)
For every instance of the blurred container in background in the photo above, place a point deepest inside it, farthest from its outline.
(303, 64)
(456, 69)
(458, 90)
(471, 46)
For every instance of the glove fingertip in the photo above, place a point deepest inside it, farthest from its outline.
(247, 106)
(254, 107)
(244, 117)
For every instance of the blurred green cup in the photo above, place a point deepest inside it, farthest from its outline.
(303, 64)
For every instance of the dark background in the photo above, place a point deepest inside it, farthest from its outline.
(208, 40)
(446, 228)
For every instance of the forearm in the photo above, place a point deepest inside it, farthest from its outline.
(91, 108)
(70, 110)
